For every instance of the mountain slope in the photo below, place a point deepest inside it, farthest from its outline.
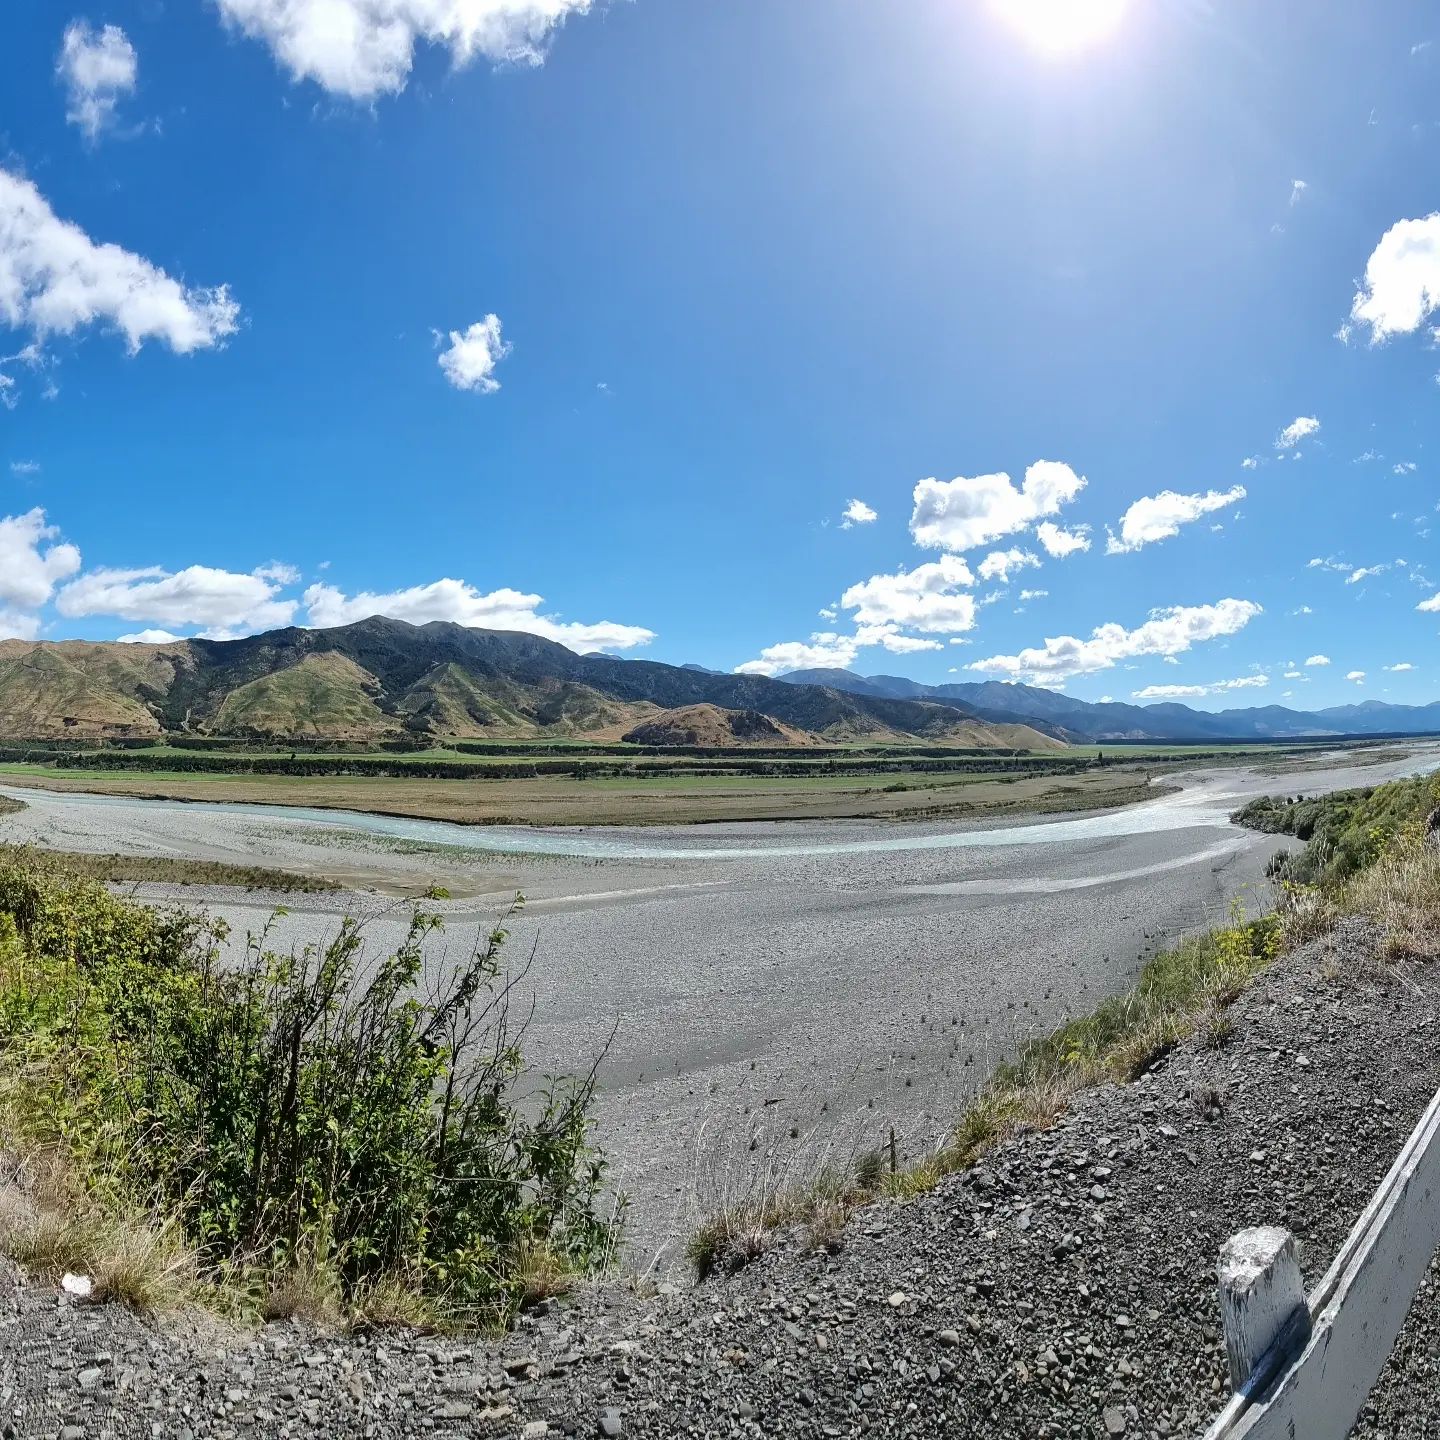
(710, 725)
(1116, 721)
(383, 678)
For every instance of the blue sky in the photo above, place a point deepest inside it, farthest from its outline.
(603, 314)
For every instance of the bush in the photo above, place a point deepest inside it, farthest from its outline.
(294, 1114)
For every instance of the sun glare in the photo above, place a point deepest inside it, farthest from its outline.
(1060, 26)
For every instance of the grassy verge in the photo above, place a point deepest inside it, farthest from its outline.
(167, 870)
(1374, 854)
(278, 1134)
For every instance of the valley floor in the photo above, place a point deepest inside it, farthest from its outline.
(772, 997)
(665, 799)
(1063, 1288)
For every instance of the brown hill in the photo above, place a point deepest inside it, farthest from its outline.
(382, 679)
(712, 725)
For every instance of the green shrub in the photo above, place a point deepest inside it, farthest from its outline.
(296, 1113)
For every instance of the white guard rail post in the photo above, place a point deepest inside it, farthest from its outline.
(1304, 1369)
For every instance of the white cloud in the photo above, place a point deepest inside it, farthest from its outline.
(999, 564)
(463, 604)
(469, 362)
(1315, 660)
(892, 640)
(1401, 288)
(55, 280)
(1250, 462)
(1173, 692)
(279, 572)
(1166, 632)
(1430, 606)
(857, 512)
(198, 595)
(1300, 428)
(965, 512)
(1294, 675)
(97, 69)
(149, 637)
(364, 48)
(1033, 594)
(1158, 517)
(1358, 676)
(24, 467)
(1365, 572)
(1405, 467)
(929, 598)
(1297, 189)
(1401, 668)
(1060, 543)
(824, 651)
(32, 564)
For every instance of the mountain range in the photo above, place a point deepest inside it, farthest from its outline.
(1082, 720)
(382, 679)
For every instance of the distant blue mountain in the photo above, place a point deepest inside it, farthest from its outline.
(1113, 721)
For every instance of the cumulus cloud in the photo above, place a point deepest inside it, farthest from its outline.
(97, 69)
(1357, 676)
(857, 512)
(930, 598)
(1158, 517)
(1401, 287)
(827, 650)
(55, 280)
(1033, 594)
(224, 602)
(1300, 428)
(149, 637)
(470, 359)
(1430, 606)
(33, 562)
(1215, 687)
(1167, 632)
(824, 650)
(1060, 543)
(1365, 572)
(999, 564)
(1401, 668)
(1316, 660)
(364, 48)
(462, 604)
(965, 512)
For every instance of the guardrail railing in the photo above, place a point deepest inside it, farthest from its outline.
(1303, 1367)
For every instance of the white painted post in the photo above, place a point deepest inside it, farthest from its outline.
(1261, 1294)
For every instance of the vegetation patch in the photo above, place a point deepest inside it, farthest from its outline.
(170, 870)
(1344, 832)
(9, 806)
(283, 1133)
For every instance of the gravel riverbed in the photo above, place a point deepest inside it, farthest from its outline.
(772, 996)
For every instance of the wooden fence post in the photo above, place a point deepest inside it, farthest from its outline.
(1261, 1294)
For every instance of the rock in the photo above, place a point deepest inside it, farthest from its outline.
(1114, 1420)
(949, 1338)
(534, 1430)
(898, 1299)
(610, 1424)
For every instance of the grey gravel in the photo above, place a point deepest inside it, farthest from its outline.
(938, 1317)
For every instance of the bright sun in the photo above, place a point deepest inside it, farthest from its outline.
(1062, 25)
